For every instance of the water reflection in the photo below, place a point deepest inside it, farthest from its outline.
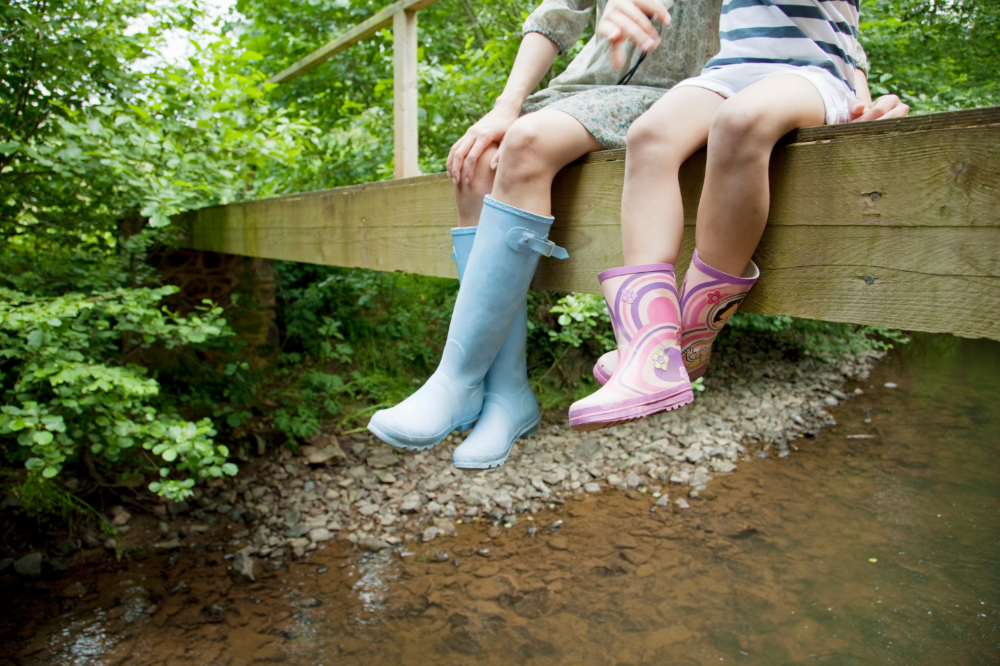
(874, 543)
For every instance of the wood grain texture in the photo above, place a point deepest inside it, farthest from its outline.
(930, 235)
(349, 38)
(404, 98)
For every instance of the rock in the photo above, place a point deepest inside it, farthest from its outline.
(558, 542)
(615, 480)
(723, 466)
(411, 504)
(382, 458)
(624, 540)
(663, 500)
(177, 508)
(308, 602)
(356, 472)
(30, 565)
(372, 544)
(682, 503)
(446, 527)
(320, 534)
(592, 487)
(632, 480)
(291, 516)
(890, 385)
(429, 534)
(169, 544)
(386, 477)
(162, 528)
(10, 502)
(297, 531)
(243, 562)
(73, 591)
(301, 542)
(588, 449)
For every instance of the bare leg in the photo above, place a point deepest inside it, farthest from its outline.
(735, 200)
(533, 151)
(658, 143)
(469, 197)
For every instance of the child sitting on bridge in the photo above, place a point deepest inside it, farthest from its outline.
(781, 67)
(503, 169)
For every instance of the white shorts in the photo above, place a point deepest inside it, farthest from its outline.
(731, 79)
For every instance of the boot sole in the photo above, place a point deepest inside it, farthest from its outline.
(408, 446)
(529, 431)
(614, 417)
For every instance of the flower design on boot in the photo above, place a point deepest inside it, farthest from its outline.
(628, 295)
(714, 297)
(660, 360)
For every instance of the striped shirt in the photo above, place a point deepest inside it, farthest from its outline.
(805, 33)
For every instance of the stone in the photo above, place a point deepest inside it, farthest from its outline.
(615, 480)
(243, 562)
(587, 449)
(663, 500)
(632, 480)
(177, 508)
(320, 534)
(30, 565)
(168, 544)
(411, 504)
(300, 542)
(723, 466)
(559, 542)
(592, 487)
(356, 472)
(73, 591)
(429, 534)
(372, 544)
(297, 531)
(682, 503)
(383, 458)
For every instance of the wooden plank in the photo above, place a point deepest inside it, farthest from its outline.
(404, 99)
(346, 40)
(931, 239)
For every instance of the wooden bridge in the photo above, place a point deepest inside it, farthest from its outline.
(891, 223)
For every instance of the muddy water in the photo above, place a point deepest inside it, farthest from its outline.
(876, 542)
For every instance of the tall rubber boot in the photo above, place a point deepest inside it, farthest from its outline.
(510, 411)
(650, 377)
(504, 255)
(709, 298)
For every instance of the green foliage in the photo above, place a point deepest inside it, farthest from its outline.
(353, 340)
(823, 339)
(938, 55)
(69, 390)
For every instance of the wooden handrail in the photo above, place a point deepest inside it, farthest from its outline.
(402, 15)
(346, 40)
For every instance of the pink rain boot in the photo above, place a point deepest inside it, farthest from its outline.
(650, 377)
(709, 298)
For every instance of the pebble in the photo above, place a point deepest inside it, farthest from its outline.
(30, 565)
(756, 405)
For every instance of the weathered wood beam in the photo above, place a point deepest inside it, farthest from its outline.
(404, 98)
(346, 40)
(913, 203)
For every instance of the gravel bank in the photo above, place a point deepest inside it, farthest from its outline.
(755, 405)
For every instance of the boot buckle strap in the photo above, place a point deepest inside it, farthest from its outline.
(524, 240)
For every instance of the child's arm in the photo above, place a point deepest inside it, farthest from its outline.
(629, 20)
(534, 57)
(886, 106)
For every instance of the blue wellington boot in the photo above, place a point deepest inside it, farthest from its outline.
(510, 411)
(508, 242)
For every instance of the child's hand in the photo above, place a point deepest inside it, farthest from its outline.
(886, 106)
(466, 152)
(629, 20)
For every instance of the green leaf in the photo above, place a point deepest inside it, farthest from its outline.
(170, 455)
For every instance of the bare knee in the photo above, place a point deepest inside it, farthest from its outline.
(650, 142)
(742, 131)
(526, 156)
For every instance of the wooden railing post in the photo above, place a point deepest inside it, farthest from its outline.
(404, 101)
